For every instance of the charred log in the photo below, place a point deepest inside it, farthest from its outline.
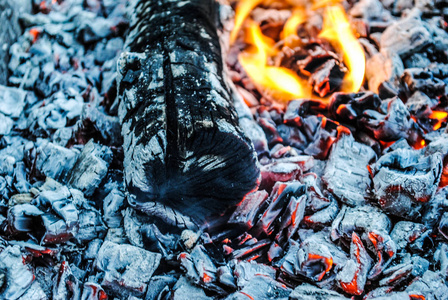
(182, 143)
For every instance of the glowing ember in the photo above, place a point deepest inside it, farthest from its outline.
(439, 117)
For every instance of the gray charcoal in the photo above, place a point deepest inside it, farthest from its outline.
(346, 173)
(108, 126)
(6, 124)
(404, 180)
(262, 287)
(65, 286)
(314, 259)
(245, 272)
(22, 218)
(127, 268)
(18, 274)
(406, 232)
(310, 292)
(431, 285)
(56, 230)
(55, 161)
(423, 80)
(157, 285)
(112, 206)
(419, 102)
(246, 213)
(360, 218)
(91, 167)
(12, 101)
(204, 272)
(35, 292)
(441, 256)
(117, 236)
(184, 290)
(91, 225)
(132, 226)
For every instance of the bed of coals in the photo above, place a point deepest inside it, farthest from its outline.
(353, 201)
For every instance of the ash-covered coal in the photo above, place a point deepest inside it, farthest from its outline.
(353, 195)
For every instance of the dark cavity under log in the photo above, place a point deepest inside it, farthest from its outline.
(182, 143)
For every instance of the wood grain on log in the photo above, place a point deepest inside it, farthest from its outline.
(182, 143)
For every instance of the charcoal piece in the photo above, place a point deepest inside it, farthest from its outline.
(61, 202)
(361, 218)
(431, 286)
(35, 291)
(90, 168)
(323, 217)
(278, 172)
(246, 213)
(443, 225)
(262, 287)
(327, 78)
(12, 101)
(406, 232)
(315, 260)
(93, 291)
(7, 163)
(184, 290)
(56, 230)
(270, 130)
(250, 249)
(6, 124)
(66, 285)
(404, 180)
(157, 285)
(385, 250)
(346, 173)
(204, 268)
(188, 154)
(55, 161)
(349, 107)
(394, 125)
(127, 268)
(95, 121)
(424, 81)
(310, 292)
(407, 36)
(18, 276)
(245, 272)
(21, 183)
(21, 218)
(132, 225)
(113, 203)
(91, 226)
(352, 278)
(278, 216)
(292, 136)
(441, 257)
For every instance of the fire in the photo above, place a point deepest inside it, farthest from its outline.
(440, 117)
(337, 31)
(284, 84)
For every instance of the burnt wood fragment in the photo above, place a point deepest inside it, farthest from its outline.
(182, 143)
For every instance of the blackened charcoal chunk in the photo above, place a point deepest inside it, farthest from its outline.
(91, 168)
(262, 287)
(419, 102)
(22, 218)
(127, 268)
(95, 120)
(349, 107)
(424, 81)
(246, 213)
(404, 180)
(245, 272)
(158, 286)
(184, 290)
(393, 125)
(310, 292)
(346, 173)
(55, 161)
(12, 101)
(18, 275)
(327, 77)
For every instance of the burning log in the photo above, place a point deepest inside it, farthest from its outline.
(182, 142)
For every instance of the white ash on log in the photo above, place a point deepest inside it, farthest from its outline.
(182, 143)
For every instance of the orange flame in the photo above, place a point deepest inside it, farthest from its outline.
(290, 29)
(336, 29)
(440, 117)
(283, 83)
(243, 9)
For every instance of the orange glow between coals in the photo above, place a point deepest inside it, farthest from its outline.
(281, 83)
(440, 117)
